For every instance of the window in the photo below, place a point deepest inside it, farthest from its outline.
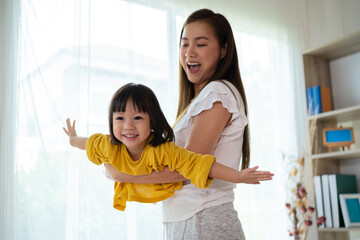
(75, 55)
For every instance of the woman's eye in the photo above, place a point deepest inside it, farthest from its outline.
(201, 45)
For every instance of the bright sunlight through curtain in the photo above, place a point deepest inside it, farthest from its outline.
(9, 51)
(76, 54)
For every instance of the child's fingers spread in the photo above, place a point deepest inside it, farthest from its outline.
(68, 123)
(67, 133)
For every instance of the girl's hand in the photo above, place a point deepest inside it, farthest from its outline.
(75, 141)
(251, 176)
(70, 131)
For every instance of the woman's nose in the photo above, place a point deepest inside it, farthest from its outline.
(190, 52)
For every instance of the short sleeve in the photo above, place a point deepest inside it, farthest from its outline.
(97, 148)
(216, 91)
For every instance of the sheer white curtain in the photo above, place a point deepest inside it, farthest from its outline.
(9, 51)
(269, 42)
(75, 54)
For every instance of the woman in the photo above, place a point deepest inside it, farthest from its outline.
(212, 119)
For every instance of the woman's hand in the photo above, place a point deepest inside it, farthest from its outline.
(252, 176)
(248, 175)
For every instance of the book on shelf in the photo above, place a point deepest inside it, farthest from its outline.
(325, 93)
(326, 200)
(310, 101)
(319, 198)
(340, 184)
(318, 99)
(350, 206)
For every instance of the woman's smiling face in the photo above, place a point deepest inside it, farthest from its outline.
(200, 53)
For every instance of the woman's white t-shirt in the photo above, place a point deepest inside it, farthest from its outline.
(190, 199)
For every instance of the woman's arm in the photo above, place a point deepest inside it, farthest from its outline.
(206, 129)
(165, 176)
(201, 140)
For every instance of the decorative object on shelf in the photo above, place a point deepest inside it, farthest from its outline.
(300, 213)
(338, 137)
(318, 99)
(319, 201)
(350, 207)
(340, 184)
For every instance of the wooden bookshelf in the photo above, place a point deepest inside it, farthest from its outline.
(317, 71)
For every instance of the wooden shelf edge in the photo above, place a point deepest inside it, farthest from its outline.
(337, 155)
(338, 229)
(337, 48)
(335, 113)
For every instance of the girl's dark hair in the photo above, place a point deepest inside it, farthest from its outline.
(227, 69)
(145, 101)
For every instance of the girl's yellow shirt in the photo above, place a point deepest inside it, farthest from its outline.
(195, 167)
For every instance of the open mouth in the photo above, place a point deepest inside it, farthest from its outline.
(193, 67)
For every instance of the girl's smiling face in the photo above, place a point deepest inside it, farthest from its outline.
(132, 128)
(200, 53)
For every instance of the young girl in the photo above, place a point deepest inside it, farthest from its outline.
(141, 141)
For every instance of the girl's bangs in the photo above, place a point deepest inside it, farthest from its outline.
(138, 99)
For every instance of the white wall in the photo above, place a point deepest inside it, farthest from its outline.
(345, 81)
(328, 20)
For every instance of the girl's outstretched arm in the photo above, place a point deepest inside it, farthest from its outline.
(248, 175)
(75, 140)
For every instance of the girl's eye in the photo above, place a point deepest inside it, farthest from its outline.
(138, 118)
(201, 45)
(119, 118)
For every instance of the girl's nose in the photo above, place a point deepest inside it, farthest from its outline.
(129, 125)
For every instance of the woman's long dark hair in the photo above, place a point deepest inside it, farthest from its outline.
(145, 101)
(228, 68)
